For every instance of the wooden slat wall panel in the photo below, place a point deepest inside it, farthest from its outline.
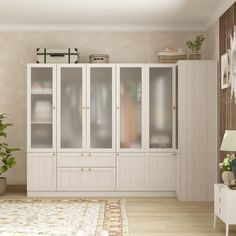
(227, 105)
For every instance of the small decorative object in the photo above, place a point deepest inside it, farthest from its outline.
(196, 46)
(6, 153)
(225, 82)
(67, 55)
(228, 175)
(171, 55)
(99, 58)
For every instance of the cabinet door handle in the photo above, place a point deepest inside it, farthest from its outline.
(84, 107)
(87, 108)
(89, 154)
(82, 154)
(54, 154)
(54, 108)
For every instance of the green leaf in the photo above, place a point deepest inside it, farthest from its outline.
(3, 169)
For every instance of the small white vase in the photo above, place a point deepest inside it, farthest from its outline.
(228, 177)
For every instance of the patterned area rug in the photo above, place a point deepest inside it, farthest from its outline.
(59, 217)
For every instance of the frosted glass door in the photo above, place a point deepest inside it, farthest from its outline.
(71, 108)
(160, 107)
(130, 104)
(100, 107)
(41, 97)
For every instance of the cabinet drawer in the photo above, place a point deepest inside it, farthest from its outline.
(86, 179)
(86, 160)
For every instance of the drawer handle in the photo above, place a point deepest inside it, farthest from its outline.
(82, 169)
(89, 169)
(82, 154)
(89, 154)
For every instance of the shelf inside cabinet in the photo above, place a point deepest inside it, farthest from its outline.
(41, 93)
(41, 123)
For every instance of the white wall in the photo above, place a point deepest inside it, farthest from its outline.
(19, 48)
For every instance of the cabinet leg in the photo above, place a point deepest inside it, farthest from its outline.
(226, 230)
(214, 224)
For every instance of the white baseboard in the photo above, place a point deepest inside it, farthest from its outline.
(101, 194)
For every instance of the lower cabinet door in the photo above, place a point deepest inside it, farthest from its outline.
(163, 172)
(132, 172)
(86, 179)
(41, 172)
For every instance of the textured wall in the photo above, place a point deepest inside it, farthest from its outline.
(18, 48)
(212, 42)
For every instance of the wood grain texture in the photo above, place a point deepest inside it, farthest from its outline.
(197, 124)
(227, 105)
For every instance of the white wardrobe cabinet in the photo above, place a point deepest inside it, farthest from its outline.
(41, 172)
(110, 126)
(197, 124)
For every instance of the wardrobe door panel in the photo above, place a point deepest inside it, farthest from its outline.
(41, 103)
(41, 172)
(161, 85)
(130, 108)
(71, 113)
(133, 172)
(100, 108)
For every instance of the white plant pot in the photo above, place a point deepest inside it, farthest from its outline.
(228, 177)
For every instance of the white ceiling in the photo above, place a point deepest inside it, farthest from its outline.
(149, 14)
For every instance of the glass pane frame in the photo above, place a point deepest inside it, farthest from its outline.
(59, 78)
(174, 108)
(88, 108)
(32, 95)
(118, 108)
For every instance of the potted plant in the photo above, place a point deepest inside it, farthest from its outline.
(226, 166)
(196, 45)
(6, 153)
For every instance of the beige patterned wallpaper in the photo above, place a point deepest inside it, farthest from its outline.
(18, 48)
(212, 42)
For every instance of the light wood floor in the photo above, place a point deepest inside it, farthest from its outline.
(165, 217)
